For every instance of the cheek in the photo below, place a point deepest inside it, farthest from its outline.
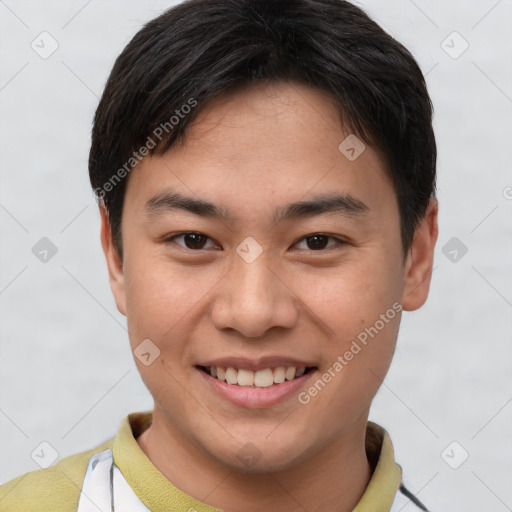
(163, 299)
(358, 308)
(356, 361)
(164, 302)
(350, 297)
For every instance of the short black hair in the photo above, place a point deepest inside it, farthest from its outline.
(199, 49)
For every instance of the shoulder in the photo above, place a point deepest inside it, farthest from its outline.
(56, 489)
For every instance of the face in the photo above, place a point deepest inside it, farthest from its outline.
(258, 252)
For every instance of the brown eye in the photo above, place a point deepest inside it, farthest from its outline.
(318, 242)
(192, 241)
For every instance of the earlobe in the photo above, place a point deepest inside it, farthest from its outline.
(421, 259)
(114, 262)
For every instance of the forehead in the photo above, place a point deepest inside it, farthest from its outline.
(263, 144)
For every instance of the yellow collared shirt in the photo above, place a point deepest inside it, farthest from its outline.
(117, 476)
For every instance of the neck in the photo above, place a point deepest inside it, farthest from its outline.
(333, 479)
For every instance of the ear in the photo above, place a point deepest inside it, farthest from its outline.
(114, 263)
(421, 259)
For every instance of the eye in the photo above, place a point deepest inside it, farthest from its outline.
(318, 242)
(191, 240)
(199, 241)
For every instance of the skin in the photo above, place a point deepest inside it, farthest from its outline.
(251, 151)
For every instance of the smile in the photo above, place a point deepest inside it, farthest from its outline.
(259, 387)
(257, 379)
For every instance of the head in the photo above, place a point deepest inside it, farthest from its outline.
(293, 141)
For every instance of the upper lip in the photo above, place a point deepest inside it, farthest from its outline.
(242, 363)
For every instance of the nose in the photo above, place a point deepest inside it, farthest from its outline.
(253, 298)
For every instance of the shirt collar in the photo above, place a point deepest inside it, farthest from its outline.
(156, 492)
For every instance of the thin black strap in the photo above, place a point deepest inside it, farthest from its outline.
(112, 506)
(411, 496)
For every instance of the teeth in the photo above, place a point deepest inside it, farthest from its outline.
(279, 375)
(264, 378)
(290, 373)
(245, 378)
(260, 379)
(231, 376)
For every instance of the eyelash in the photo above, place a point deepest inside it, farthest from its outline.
(339, 241)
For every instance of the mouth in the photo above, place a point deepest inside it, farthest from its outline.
(263, 378)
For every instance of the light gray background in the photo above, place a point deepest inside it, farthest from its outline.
(66, 373)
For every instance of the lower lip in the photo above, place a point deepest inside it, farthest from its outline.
(252, 397)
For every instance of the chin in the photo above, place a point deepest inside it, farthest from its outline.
(260, 455)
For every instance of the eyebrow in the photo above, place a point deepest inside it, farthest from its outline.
(344, 204)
